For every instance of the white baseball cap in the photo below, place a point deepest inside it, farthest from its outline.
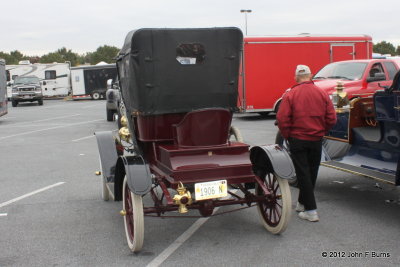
(302, 69)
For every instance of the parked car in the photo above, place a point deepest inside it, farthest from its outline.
(360, 78)
(366, 138)
(173, 149)
(26, 89)
(113, 99)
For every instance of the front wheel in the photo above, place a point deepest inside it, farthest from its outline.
(40, 101)
(14, 103)
(235, 133)
(134, 218)
(275, 209)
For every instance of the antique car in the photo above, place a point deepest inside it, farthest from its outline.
(366, 138)
(179, 91)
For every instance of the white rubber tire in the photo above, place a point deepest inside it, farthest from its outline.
(135, 244)
(235, 132)
(96, 96)
(286, 208)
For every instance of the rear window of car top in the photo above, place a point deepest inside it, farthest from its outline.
(391, 69)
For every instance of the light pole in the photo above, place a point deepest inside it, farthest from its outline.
(245, 11)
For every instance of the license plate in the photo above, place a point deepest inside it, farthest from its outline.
(208, 190)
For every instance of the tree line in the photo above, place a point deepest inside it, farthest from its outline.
(107, 54)
(104, 53)
(386, 48)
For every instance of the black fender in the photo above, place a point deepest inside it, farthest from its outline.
(108, 154)
(137, 173)
(272, 159)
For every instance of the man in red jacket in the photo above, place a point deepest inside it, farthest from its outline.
(305, 115)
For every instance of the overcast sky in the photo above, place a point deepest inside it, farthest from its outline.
(36, 27)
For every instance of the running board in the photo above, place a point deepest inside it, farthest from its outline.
(381, 177)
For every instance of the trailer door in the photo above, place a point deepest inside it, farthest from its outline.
(341, 52)
(77, 82)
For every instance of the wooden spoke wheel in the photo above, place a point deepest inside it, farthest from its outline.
(235, 135)
(133, 218)
(275, 209)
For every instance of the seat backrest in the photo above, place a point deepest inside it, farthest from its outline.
(205, 127)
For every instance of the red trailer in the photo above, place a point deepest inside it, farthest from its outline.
(269, 64)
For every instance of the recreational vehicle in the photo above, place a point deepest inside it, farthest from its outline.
(55, 77)
(91, 81)
(3, 91)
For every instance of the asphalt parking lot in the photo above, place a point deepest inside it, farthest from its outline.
(51, 212)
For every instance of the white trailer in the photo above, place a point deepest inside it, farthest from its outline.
(55, 77)
(91, 81)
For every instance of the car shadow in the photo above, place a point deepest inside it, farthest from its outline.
(255, 117)
(27, 104)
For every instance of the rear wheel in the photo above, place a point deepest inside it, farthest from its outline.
(14, 103)
(275, 210)
(96, 96)
(133, 219)
(235, 133)
(110, 114)
(40, 101)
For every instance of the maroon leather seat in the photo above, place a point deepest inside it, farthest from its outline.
(206, 127)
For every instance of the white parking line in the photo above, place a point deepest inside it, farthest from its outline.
(157, 261)
(3, 214)
(34, 125)
(83, 138)
(49, 119)
(7, 118)
(90, 106)
(47, 129)
(30, 194)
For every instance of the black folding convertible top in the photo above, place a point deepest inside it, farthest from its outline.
(178, 70)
